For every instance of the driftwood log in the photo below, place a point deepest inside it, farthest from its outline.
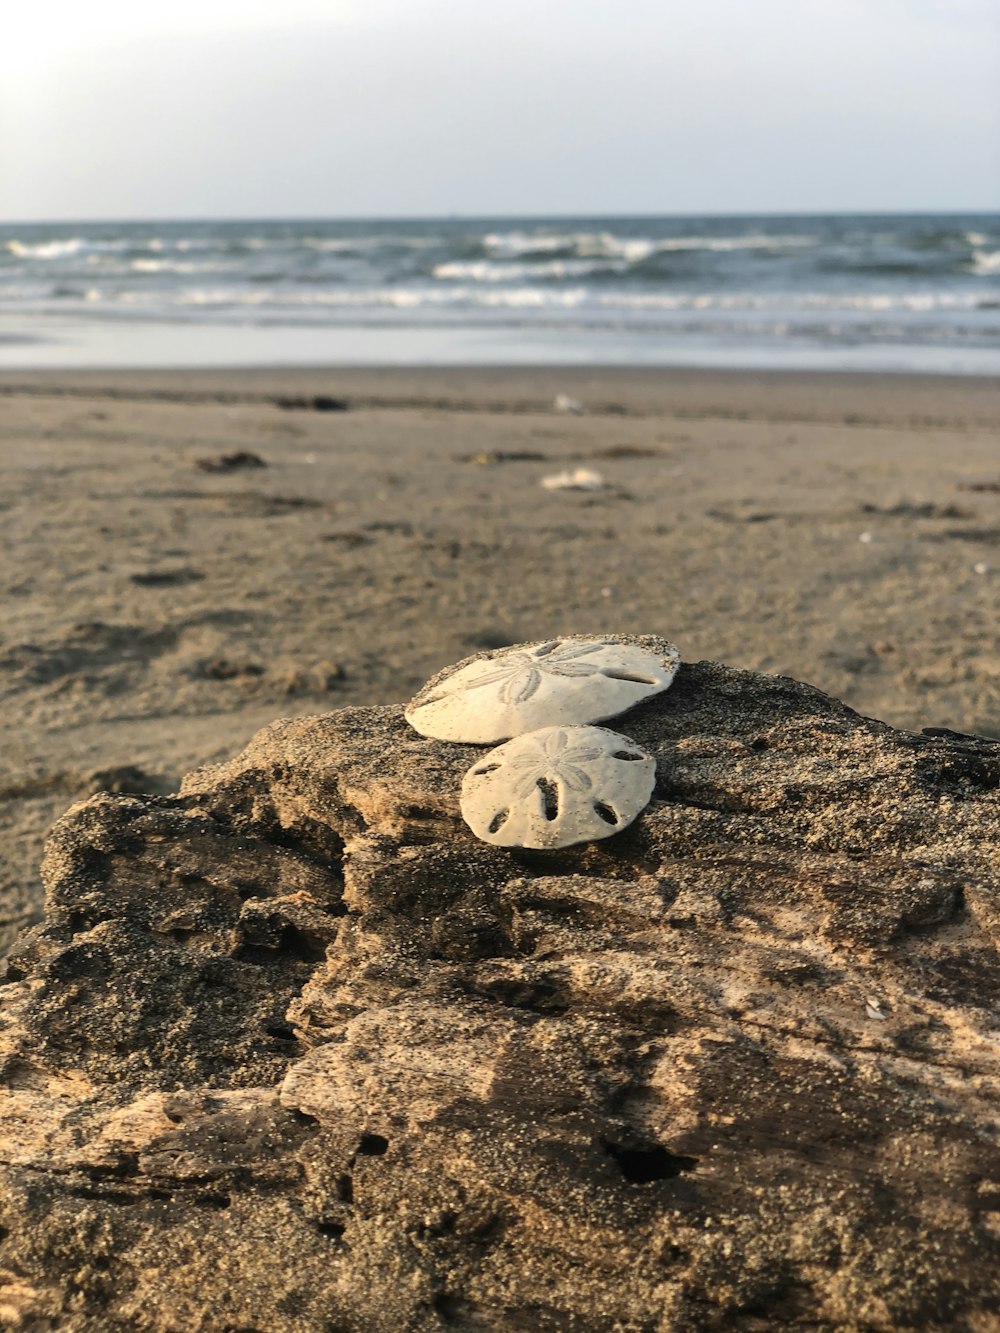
(292, 1052)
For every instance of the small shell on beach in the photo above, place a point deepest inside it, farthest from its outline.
(565, 681)
(564, 403)
(575, 479)
(556, 787)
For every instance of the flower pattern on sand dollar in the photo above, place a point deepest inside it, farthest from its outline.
(556, 759)
(521, 672)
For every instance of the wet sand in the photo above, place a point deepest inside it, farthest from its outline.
(155, 612)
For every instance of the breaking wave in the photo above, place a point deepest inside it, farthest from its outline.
(985, 262)
(631, 249)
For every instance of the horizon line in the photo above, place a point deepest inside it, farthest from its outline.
(494, 217)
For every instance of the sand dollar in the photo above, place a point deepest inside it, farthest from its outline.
(557, 786)
(532, 685)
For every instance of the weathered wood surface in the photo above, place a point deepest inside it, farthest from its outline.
(293, 1052)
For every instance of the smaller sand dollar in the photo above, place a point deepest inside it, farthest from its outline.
(557, 786)
(532, 685)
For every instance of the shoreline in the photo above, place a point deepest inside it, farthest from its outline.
(65, 344)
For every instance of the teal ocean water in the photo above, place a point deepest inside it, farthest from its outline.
(839, 292)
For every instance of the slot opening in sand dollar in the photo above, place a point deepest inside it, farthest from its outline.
(612, 674)
(550, 797)
(605, 812)
(627, 756)
(486, 768)
(498, 820)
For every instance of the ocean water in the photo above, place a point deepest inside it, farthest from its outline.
(867, 292)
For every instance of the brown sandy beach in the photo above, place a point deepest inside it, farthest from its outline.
(841, 529)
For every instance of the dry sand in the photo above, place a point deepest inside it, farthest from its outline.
(841, 529)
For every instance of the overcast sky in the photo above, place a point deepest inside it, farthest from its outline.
(249, 108)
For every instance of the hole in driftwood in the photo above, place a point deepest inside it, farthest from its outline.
(212, 1200)
(640, 1166)
(449, 1307)
(373, 1145)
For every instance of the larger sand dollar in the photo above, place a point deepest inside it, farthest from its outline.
(568, 681)
(557, 786)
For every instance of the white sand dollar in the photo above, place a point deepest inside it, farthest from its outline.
(529, 686)
(556, 787)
